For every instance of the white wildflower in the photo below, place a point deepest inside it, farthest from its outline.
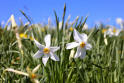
(47, 51)
(80, 43)
(113, 32)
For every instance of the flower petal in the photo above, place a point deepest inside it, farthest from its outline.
(54, 57)
(38, 54)
(84, 37)
(72, 45)
(117, 32)
(88, 46)
(40, 46)
(109, 32)
(54, 49)
(77, 36)
(83, 53)
(47, 40)
(78, 53)
(45, 59)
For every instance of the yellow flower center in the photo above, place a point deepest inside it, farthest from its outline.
(33, 76)
(71, 29)
(114, 30)
(46, 50)
(104, 30)
(23, 35)
(31, 38)
(82, 44)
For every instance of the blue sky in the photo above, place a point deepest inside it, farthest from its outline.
(39, 10)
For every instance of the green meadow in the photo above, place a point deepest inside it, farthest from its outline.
(103, 63)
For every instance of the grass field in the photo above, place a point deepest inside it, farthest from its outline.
(103, 63)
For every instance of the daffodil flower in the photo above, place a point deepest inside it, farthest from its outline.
(104, 31)
(113, 32)
(120, 21)
(31, 74)
(46, 51)
(80, 43)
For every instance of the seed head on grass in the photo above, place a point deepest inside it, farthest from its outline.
(31, 74)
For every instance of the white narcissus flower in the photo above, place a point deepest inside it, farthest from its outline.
(113, 32)
(46, 51)
(80, 43)
(119, 20)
